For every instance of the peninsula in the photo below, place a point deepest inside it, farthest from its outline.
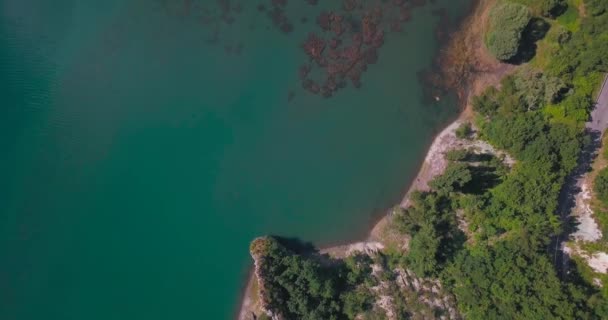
(507, 216)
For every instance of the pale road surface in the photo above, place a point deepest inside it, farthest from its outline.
(599, 116)
(573, 191)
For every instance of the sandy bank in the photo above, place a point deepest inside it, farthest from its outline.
(466, 67)
(469, 69)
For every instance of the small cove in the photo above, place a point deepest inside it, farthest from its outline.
(140, 160)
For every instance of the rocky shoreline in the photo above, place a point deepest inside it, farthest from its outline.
(465, 66)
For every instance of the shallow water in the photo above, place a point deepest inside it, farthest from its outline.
(139, 160)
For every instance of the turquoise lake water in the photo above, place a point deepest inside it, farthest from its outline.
(139, 159)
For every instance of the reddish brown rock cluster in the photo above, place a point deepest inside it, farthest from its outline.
(280, 20)
(441, 31)
(348, 42)
(277, 15)
(349, 5)
(213, 15)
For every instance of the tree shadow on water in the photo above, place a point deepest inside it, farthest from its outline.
(296, 245)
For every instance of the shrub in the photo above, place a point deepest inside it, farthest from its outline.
(537, 89)
(424, 247)
(504, 282)
(357, 302)
(464, 131)
(507, 22)
(456, 176)
(600, 186)
(547, 8)
(487, 104)
(561, 35)
(596, 7)
(457, 155)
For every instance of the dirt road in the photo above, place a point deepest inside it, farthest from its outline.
(599, 116)
(574, 195)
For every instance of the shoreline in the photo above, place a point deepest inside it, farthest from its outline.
(464, 57)
(372, 238)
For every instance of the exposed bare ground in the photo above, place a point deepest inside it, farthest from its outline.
(465, 63)
(250, 305)
(587, 230)
(416, 291)
(582, 9)
(598, 261)
(467, 67)
(366, 247)
(435, 162)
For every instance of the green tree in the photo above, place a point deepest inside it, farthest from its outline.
(487, 104)
(548, 8)
(505, 282)
(596, 7)
(537, 89)
(263, 316)
(464, 131)
(600, 185)
(296, 287)
(356, 302)
(422, 255)
(457, 155)
(507, 22)
(456, 176)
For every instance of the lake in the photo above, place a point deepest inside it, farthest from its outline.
(146, 143)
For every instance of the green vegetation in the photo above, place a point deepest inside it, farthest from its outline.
(600, 186)
(457, 155)
(584, 55)
(485, 227)
(570, 19)
(502, 281)
(300, 287)
(456, 176)
(547, 8)
(537, 90)
(507, 273)
(600, 204)
(528, 90)
(504, 271)
(507, 22)
(433, 227)
(464, 131)
(596, 7)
